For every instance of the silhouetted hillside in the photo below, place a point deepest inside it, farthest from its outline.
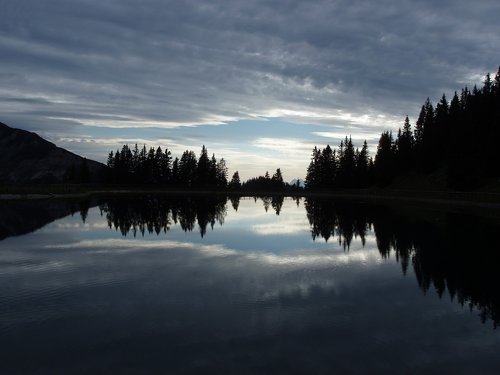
(26, 158)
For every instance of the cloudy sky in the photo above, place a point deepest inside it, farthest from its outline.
(258, 82)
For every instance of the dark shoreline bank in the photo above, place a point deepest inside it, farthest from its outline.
(489, 200)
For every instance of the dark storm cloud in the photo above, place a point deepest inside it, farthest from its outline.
(164, 63)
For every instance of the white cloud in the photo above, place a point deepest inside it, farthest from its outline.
(289, 147)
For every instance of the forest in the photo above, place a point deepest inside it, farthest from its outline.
(456, 139)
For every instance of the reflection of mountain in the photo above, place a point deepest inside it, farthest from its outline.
(24, 216)
(157, 213)
(453, 252)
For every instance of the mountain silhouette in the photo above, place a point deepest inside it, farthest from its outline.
(27, 158)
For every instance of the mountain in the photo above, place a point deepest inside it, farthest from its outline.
(27, 158)
(294, 182)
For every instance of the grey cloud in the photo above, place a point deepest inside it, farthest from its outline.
(195, 61)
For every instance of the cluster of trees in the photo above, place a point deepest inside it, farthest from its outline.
(344, 167)
(265, 183)
(457, 137)
(140, 166)
(157, 167)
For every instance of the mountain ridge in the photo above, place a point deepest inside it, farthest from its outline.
(27, 158)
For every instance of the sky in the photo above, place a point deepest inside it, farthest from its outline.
(260, 83)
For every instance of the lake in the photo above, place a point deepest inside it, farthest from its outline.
(158, 284)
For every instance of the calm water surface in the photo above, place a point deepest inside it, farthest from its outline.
(156, 285)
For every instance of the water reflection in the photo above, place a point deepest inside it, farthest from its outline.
(267, 291)
(448, 251)
(156, 214)
(339, 219)
(451, 252)
(20, 217)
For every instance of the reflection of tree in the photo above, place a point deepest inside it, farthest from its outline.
(276, 202)
(297, 200)
(235, 202)
(156, 213)
(84, 209)
(266, 201)
(453, 252)
(329, 219)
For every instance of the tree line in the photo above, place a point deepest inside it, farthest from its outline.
(343, 167)
(457, 139)
(157, 167)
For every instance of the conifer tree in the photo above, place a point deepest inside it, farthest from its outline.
(312, 175)
(175, 171)
(187, 168)
(384, 160)
(235, 183)
(111, 160)
(277, 179)
(213, 171)
(221, 174)
(362, 167)
(404, 148)
(327, 168)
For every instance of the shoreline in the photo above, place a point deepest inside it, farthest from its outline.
(465, 199)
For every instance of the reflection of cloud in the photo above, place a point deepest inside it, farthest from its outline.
(35, 267)
(298, 258)
(86, 227)
(281, 227)
(261, 276)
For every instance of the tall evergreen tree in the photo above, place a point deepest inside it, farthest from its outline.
(221, 173)
(203, 171)
(347, 164)
(362, 162)
(175, 178)
(188, 168)
(278, 179)
(312, 175)
(404, 148)
(384, 160)
(235, 183)
(327, 168)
